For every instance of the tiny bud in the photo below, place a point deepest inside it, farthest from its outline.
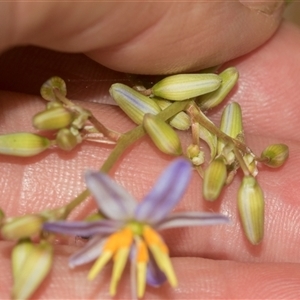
(23, 144)
(47, 89)
(229, 78)
(186, 86)
(195, 155)
(65, 139)
(134, 104)
(51, 119)
(275, 155)
(251, 209)
(162, 135)
(214, 179)
(22, 227)
(30, 263)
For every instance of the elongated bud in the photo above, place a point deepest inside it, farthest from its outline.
(251, 209)
(22, 227)
(66, 140)
(185, 86)
(134, 104)
(23, 144)
(181, 121)
(214, 179)
(30, 263)
(229, 78)
(162, 135)
(51, 119)
(275, 155)
(47, 89)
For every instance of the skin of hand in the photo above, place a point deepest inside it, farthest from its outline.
(212, 262)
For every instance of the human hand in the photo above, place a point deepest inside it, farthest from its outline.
(229, 269)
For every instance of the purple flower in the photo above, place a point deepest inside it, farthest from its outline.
(130, 229)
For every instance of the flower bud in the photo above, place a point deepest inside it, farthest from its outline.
(23, 144)
(229, 78)
(22, 227)
(51, 119)
(47, 89)
(275, 155)
(185, 86)
(214, 179)
(162, 135)
(195, 155)
(134, 104)
(65, 139)
(30, 264)
(251, 209)
(181, 121)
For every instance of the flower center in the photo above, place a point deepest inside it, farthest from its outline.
(136, 227)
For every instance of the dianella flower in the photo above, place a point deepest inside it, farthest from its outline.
(130, 229)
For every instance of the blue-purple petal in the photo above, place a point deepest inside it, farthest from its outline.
(166, 193)
(184, 219)
(88, 252)
(112, 199)
(82, 228)
(154, 277)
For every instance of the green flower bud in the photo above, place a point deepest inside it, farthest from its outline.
(30, 264)
(47, 89)
(23, 144)
(22, 227)
(229, 78)
(275, 155)
(181, 121)
(162, 135)
(214, 179)
(251, 209)
(185, 86)
(66, 140)
(51, 119)
(134, 104)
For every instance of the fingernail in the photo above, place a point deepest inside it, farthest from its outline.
(266, 7)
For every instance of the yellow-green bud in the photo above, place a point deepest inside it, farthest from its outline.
(195, 155)
(162, 135)
(66, 140)
(186, 86)
(251, 209)
(214, 179)
(47, 89)
(229, 78)
(22, 227)
(23, 144)
(181, 121)
(134, 104)
(51, 119)
(31, 263)
(275, 155)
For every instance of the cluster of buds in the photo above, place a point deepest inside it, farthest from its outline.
(228, 151)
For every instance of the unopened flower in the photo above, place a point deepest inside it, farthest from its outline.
(130, 230)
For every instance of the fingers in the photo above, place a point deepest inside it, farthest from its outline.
(164, 37)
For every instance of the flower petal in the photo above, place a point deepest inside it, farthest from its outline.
(184, 219)
(155, 277)
(113, 200)
(82, 228)
(166, 193)
(89, 252)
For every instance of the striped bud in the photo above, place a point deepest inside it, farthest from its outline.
(134, 104)
(214, 179)
(162, 135)
(22, 227)
(185, 86)
(251, 209)
(51, 119)
(65, 139)
(47, 89)
(23, 144)
(229, 78)
(30, 265)
(181, 121)
(275, 155)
